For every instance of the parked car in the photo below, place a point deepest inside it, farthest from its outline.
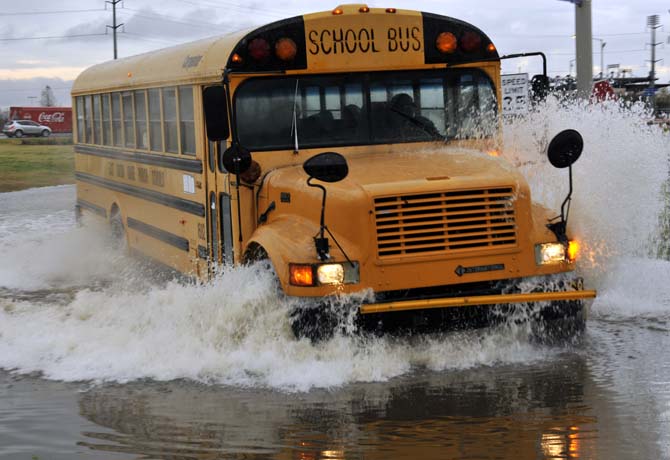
(20, 128)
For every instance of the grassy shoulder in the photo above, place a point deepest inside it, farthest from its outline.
(27, 163)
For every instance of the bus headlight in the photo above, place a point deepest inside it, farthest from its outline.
(549, 253)
(330, 274)
(324, 274)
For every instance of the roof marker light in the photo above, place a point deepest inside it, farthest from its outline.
(337, 11)
(391, 10)
(491, 48)
(237, 59)
(364, 9)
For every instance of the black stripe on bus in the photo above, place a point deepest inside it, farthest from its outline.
(191, 207)
(155, 232)
(99, 210)
(156, 159)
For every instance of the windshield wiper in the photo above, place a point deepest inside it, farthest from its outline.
(294, 125)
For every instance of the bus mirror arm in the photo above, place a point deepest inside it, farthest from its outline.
(564, 149)
(326, 167)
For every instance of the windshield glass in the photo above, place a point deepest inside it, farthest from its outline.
(360, 108)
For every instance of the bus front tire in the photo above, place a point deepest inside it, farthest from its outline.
(560, 322)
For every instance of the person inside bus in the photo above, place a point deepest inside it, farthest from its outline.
(406, 121)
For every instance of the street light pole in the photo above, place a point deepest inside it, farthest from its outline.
(602, 56)
(584, 47)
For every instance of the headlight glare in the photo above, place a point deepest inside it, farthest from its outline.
(330, 274)
(549, 253)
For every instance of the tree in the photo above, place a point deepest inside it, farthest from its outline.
(47, 99)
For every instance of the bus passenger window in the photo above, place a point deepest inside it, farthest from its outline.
(155, 130)
(128, 121)
(170, 120)
(89, 120)
(106, 121)
(116, 119)
(186, 121)
(141, 119)
(96, 119)
(80, 119)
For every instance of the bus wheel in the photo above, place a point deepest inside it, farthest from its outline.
(315, 322)
(117, 230)
(560, 322)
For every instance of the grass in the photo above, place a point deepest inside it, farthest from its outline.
(27, 163)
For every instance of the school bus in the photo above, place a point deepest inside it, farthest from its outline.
(356, 150)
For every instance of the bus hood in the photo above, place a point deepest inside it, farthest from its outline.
(381, 174)
(387, 174)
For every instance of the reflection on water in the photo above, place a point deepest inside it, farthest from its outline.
(510, 412)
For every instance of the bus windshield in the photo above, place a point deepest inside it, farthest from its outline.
(365, 108)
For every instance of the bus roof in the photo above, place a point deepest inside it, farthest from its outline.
(401, 40)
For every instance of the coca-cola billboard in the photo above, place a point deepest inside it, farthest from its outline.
(59, 119)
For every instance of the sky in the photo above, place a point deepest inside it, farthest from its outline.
(50, 43)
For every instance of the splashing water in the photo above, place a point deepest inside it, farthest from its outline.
(112, 323)
(618, 195)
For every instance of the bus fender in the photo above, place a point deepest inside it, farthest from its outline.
(285, 240)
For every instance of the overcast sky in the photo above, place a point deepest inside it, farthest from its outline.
(51, 42)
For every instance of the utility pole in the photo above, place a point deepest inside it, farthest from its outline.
(653, 22)
(114, 25)
(584, 45)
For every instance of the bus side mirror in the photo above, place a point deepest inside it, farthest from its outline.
(565, 148)
(327, 167)
(216, 113)
(236, 159)
(539, 86)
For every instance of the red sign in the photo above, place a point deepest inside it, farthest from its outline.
(59, 119)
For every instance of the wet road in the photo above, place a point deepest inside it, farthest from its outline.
(606, 398)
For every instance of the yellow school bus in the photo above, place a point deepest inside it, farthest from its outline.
(356, 150)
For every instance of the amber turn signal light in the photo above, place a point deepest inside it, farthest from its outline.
(301, 275)
(491, 48)
(237, 59)
(446, 43)
(573, 250)
(286, 49)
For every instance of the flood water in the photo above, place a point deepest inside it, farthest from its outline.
(101, 359)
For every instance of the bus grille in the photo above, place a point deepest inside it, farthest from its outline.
(445, 222)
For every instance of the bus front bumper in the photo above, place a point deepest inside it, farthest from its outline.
(531, 297)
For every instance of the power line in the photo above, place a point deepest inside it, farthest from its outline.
(51, 37)
(32, 13)
(610, 51)
(161, 17)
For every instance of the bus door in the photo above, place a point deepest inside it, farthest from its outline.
(219, 234)
(219, 213)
